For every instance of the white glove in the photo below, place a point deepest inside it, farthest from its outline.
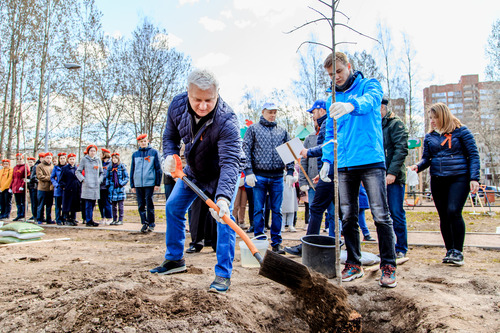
(168, 165)
(10, 191)
(289, 180)
(242, 182)
(323, 174)
(304, 188)
(251, 180)
(21, 189)
(339, 109)
(223, 205)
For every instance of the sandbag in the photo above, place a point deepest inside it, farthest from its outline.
(26, 235)
(367, 258)
(9, 240)
(22, 227)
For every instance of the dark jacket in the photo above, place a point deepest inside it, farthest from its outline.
(318, 150)
(395, 146)
(105, 167)
(33, 183)
(213, 154)
(54, 178)
(145, 170)
(71, 189)
(259, 145)
(309, 164)
(117, 193)
(451, 158)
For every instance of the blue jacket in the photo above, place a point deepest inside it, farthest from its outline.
(451, 158)
(145, 170)
(117, 193)
(213, 154)
(359, 133)
(55, 176)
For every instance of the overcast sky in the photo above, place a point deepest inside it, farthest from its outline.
(244, 43)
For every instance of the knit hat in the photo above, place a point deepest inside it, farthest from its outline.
(385, 101)
(104, 150)
(47, 154)
(61, 154)
(115, 154)
(71, 155)
(30, 158)
(142, 136)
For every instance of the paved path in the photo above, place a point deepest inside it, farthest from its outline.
(415, 238)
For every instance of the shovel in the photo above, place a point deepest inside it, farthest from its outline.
(273, 266)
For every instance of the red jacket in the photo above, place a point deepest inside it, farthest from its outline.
(18, 179)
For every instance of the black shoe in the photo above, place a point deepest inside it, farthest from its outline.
(193, 249)
(278, 249)
(446, 259)
(170, 267)
(31, 218)
(151, 228)
(17, 219)
(119, 223)
(60, 223)
(92, 224)
(249, 230)
(294, 250)
(144, 228)
(369, 238)
(456, 258)
(113, 223)
(51, 222)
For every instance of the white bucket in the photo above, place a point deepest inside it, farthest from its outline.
(247, 258)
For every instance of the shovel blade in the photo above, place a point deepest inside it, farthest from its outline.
(285, 271)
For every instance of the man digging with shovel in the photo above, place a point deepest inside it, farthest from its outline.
(210, 130)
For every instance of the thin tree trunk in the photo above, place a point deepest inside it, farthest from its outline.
(4, 111)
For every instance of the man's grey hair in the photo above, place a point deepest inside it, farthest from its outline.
(203, 79)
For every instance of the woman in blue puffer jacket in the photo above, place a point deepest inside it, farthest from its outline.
(450, 151)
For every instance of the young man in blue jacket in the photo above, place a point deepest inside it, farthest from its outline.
(360, 158)
(210, 131)
(145, 178)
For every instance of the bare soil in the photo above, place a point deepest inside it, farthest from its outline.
(99, 282)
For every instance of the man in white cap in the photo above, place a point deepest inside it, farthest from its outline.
(264, 171)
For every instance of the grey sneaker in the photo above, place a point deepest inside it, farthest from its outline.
(400, 255)
(220, 285)
(456, 258)
(446, 259)
(170, 267)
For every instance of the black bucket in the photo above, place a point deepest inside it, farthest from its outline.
(318, 253)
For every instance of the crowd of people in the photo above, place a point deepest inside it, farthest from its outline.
(372, 145)
(56, 180)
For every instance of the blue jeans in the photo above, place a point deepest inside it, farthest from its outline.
(362, 222)
(89, 210)
(176, 207)
(275, 188)
(44, 198)
(322, 200)
(374, 182)
(395, 199)
(145, 200)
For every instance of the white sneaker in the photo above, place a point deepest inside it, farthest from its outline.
(292, 229)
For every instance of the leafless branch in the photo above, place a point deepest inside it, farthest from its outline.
(305, 24)
(316, 43)
(356, 31)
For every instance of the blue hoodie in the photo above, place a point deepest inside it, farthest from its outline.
(145, 170)
(359, 133)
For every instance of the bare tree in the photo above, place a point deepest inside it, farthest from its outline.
(366, 64)
(155, 73)
(410, 85)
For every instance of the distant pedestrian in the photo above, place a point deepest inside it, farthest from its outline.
(240, 204)
(6, 174)
(104, 201)
(18, 185)
(91, 166)
(117, 178)
(55, 176)
(32, 185)
(290, 204)
(71, 189)
(45, 194)
(145, 179)
(451, 153)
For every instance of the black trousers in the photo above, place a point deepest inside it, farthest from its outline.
(202, 226)
(450, 194)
